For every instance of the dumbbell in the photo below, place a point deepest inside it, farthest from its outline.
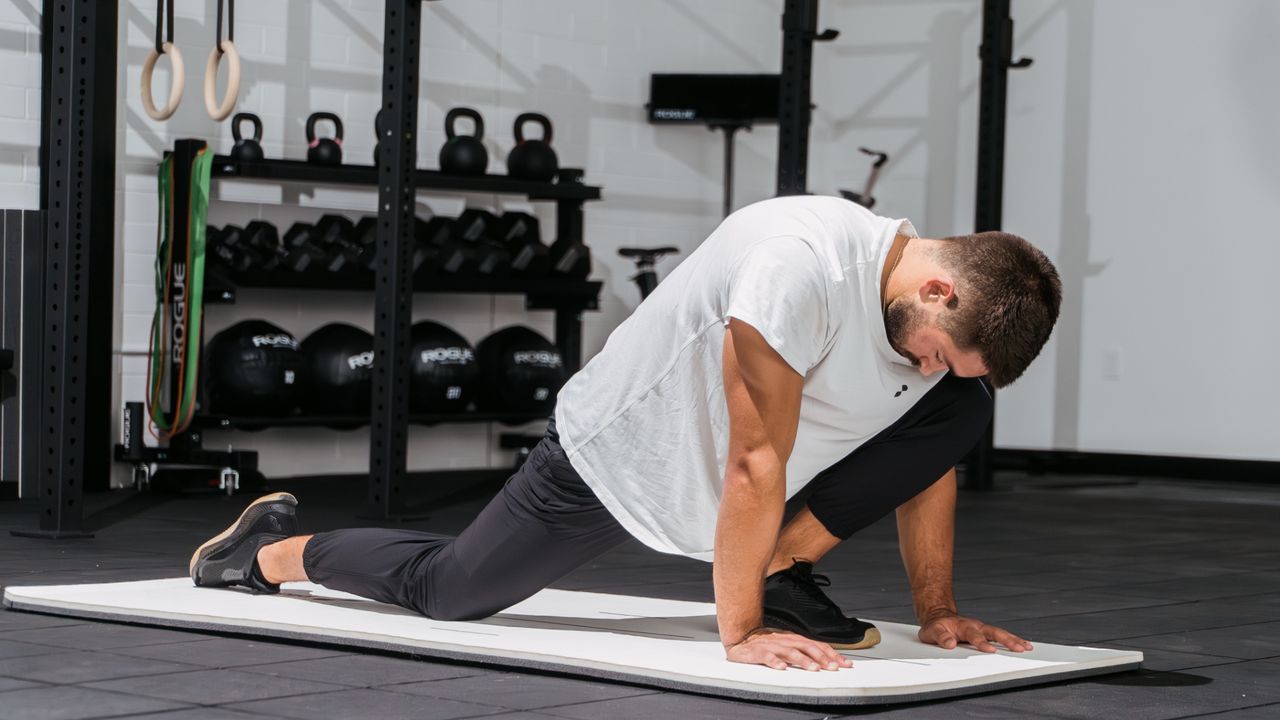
(453, 256)
(335, 236)
(571, 258)
(260, 241)
(226, 254)
(361, 246)
(477, 227)
(299, 252)
(520, 233)
(233, 249)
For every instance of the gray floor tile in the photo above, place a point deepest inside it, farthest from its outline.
(1170, 660)
(214, 687)
(101, 636)
(955, 709)
(1142, 694)
(81, 666)
(8, 683)
(14, 620)
(14, 649)
(1237, 584)
(75, 703)
(1257, 680)
(200, 713)
(364, 703)
(521, 691)
(227, 652)
(1133, 623)
(1105, 579)
(520, 715)
(367, 670)
(1261, 712)
(1052, 604)
(1244, 642)
(673, 705)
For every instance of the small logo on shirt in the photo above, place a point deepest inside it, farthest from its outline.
(904, 389)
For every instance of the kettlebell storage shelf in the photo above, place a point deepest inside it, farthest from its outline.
(568, 188)
(540, 293)
(566, 296)
(227, 422)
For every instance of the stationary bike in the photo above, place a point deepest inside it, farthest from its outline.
(646, 277)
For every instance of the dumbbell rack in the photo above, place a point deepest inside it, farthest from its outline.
(568, 298)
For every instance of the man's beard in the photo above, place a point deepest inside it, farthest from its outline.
(901, 320)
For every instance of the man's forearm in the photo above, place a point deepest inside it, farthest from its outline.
(746, 532)
(926, 538)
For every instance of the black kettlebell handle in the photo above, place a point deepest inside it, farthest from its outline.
(317, 117)
(452, 117)
(539, 118)
(242, 117)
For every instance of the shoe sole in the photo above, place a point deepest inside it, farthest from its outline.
(202, 551)
(870, 638)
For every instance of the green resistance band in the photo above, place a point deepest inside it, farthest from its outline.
(192, 302)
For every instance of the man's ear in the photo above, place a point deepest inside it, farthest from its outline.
(938, 290)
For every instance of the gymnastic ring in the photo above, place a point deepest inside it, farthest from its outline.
(175, 88)
(216, 111)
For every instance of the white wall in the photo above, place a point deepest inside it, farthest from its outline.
(1141, 157)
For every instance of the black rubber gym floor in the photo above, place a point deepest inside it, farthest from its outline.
(1188, 573)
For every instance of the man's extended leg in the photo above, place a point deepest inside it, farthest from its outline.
(543, 524)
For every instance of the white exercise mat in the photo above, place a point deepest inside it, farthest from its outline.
(663, 643)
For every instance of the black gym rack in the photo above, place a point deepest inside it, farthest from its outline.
(567, 297)
(77, 157)
(387, 495)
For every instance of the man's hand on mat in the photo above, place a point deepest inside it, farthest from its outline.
(780, 650)
(948, 631)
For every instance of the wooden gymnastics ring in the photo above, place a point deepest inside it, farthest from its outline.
(216, 111)
(175, 89)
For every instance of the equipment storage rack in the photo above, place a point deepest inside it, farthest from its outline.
(567, 297)
(393, 282)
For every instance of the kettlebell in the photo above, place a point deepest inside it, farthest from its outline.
(533, 159)
(324, 151)
(250, 149)
(463, 154)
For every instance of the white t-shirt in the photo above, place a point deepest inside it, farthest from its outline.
(646, 422)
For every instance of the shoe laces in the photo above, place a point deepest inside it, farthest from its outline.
(811, 584)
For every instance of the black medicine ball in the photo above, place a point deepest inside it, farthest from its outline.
(253, 368)
(339, 363)
(444, 370)
(521, 371)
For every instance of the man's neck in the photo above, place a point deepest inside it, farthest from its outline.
(891, 263)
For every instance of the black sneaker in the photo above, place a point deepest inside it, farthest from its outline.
(230, 558)
(794, 602)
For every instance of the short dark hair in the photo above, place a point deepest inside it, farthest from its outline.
(1007, 300)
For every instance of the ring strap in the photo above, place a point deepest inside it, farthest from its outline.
(231, 23)
(164, 24)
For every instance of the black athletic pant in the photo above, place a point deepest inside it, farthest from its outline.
(546, 522)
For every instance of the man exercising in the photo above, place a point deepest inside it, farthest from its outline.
(807, 342)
